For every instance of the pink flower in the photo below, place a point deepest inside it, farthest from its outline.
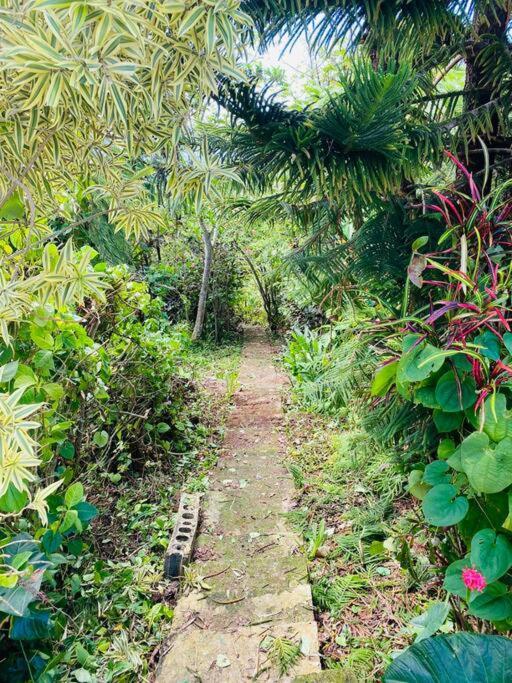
(473, 579)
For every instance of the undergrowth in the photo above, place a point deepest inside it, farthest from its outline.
(352, 512)
(122, 609)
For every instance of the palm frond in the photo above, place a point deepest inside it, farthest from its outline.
(354, 146)
(327, 23)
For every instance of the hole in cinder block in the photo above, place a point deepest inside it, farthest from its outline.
(182, 538)
(178, 547)
(184, 529)
(188, 515)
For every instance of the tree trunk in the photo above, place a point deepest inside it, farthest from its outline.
(209, 239)
(488, 24)
(270, 305)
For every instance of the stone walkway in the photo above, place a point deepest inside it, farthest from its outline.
(258, 577)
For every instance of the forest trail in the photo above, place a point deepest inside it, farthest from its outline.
(246, 552)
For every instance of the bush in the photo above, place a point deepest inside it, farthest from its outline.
(109, 385)
(178, 284)
(455, 362)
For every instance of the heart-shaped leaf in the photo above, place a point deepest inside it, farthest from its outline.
(416, 486)
(443, 507)
(421, 362)
(427, 397)
(488, 470)
(437, 473)
(447, 422)
(453, 582)
(491, 554)
(455, 392)
(489, 345)
(33, 626)
(494, 604)
(497, 420)
(445, 449)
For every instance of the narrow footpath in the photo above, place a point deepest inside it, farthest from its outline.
(246, 552)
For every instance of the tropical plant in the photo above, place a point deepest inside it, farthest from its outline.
(454, 657)
(194, 180)
(361, 152)
(85, 93)
(455, 362)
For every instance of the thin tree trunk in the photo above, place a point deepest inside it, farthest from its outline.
(209, 239)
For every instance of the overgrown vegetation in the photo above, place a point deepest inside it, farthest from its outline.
(155, 193)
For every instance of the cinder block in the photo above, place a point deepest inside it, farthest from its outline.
(179, 550)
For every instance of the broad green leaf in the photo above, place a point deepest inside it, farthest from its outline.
(445, 449)
(34, 626)
(426, 396)
(507, 340)
(426, 624)
(494, 604)
(437, 472)
(100, 439)
(8, 371)
(12, 209)
(447, 422)
(489, 345)
(497, 420)
(488, 469)
(416, 485)
(20, 559)
(67, 450)
(13, 501)
(53, 390)
(384, 379)
(454, 658)
(41, 338)
(443, 507)
(74, 494)
(86, 512)
(43, 360)
(491, 554)
(455, 393)
(15, 601)
(25, 377)
(420, 362)
(453, 582)
(70, 520)
(8, 580)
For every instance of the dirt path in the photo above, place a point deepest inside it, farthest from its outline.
(258, 578)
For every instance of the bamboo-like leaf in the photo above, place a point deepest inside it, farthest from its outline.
(190, 19)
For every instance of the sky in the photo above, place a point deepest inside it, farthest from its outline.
(294, 61)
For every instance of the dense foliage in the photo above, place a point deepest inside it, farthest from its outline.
(371, 215)
(406, 149)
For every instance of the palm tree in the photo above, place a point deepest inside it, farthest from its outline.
(366, 151)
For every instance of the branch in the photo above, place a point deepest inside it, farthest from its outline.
(453, 62)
